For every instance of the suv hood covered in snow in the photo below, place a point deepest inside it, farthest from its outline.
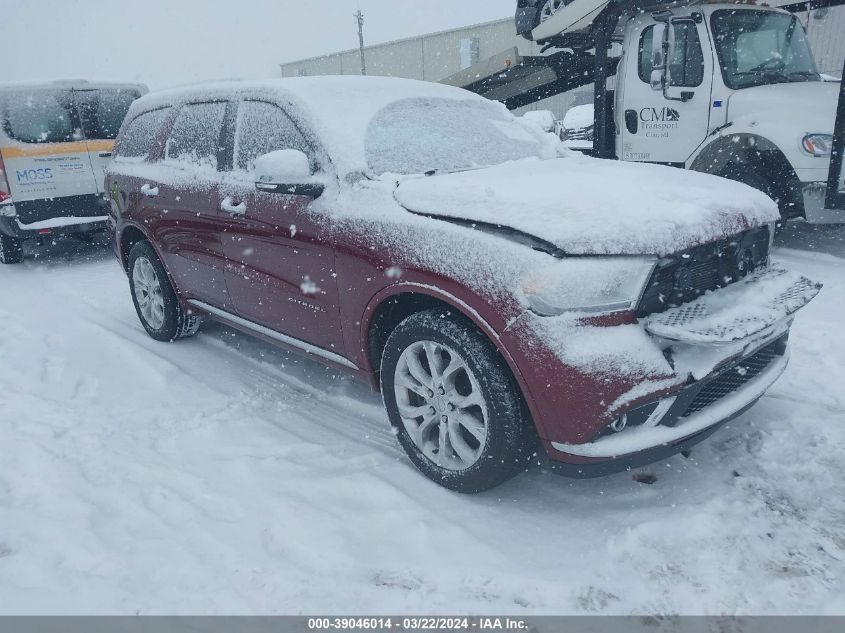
(587, 206)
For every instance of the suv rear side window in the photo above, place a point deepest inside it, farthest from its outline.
(102, 111)
(140, 135)
(264, 128)
(195, 137)
(39, 117)
(686, 67)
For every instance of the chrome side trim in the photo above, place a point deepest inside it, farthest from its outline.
(282, 338)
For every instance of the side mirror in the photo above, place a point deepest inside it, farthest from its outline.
(286, 171)
(659, 54)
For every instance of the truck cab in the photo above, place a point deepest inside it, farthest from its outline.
(731, 90)
(727, 88)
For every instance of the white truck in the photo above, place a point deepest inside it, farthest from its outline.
(728, 88)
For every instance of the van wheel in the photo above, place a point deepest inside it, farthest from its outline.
(154, 298)
(11, 249)
(453, 404)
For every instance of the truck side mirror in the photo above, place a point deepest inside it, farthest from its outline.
(659, 66)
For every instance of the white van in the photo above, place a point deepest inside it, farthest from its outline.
(55, 140)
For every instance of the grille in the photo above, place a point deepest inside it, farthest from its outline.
(735, 376)
(687, 275)
(578, 134)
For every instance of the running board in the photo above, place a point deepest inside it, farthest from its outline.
(308, 348)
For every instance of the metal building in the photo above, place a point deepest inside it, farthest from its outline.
(435, 56)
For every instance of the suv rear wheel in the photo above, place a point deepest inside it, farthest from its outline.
(11, 249)
(154, 298)
(453, 404)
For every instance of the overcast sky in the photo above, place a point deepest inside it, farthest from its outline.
(168, 42)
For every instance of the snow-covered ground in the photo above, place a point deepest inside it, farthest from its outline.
(221, 475)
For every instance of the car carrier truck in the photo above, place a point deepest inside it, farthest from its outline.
(728, 88)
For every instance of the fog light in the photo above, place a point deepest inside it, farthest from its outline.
(619, 423)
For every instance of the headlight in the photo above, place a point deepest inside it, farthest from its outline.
(818, 144)
(588, 284)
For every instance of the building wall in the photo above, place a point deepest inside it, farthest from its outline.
(430, 58)
(826, 30)
(435, 56)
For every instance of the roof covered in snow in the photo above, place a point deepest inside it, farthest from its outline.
(337, 108)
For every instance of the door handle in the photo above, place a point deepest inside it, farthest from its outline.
(228, 205)
(149, 191)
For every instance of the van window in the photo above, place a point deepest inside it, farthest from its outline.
(140, 135)
(263, 128)
(102, 111)
(39, 117)
(686, 67)
(195, 137)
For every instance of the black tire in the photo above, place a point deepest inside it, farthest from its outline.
(86, 237)
(511, 439)
(11, 249)
(176, 323)
(751, 174)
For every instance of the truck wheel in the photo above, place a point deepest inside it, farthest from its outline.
(753, 177)
(11, 249)
(155, 300)
(453, 404)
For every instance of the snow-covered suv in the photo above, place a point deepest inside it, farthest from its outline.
(495, 286)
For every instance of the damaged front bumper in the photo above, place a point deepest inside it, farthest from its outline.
(725, 348)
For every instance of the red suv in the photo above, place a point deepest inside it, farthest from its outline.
(494, 286)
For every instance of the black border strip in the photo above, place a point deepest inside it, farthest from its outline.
(835, 198)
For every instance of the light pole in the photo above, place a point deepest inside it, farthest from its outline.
(360, 17)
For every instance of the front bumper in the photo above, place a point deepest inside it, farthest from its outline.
(55, 227)
(815, 194)
(696, 408)
(721, 352)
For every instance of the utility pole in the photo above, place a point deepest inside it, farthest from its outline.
(360, 17)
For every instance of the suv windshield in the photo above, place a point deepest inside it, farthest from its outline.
(761, 47)
(417, 135)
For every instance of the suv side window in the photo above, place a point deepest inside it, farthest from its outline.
(687, 64)
(195, 137)
(263, 128)
(140, 135)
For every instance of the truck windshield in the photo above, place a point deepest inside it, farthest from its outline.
(761, 47)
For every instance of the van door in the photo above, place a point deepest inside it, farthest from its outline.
(44, 150)
(655, 128)
(101, 112)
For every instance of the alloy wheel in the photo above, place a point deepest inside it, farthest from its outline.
(147, 288)
(441, 405)
(550, 8)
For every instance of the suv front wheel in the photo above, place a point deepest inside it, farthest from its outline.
(453, 404)
(154, 298)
